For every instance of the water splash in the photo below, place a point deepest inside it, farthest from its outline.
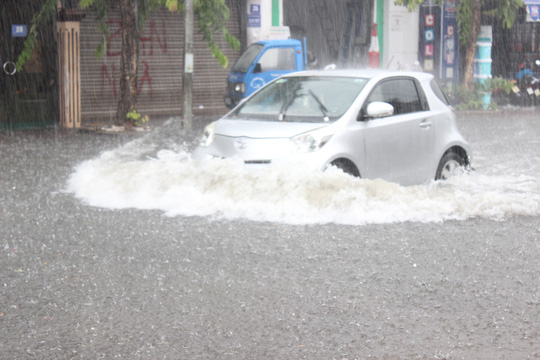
(155, 173)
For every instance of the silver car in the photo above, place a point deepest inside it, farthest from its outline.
(397, 126)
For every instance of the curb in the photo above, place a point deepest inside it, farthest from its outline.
(113, 129)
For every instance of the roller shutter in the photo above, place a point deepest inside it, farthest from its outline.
(160, 68)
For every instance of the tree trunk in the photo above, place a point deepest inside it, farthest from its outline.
(471, 44)
(128, 62)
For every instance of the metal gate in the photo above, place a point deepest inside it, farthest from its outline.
(160, 68)
(28, 98)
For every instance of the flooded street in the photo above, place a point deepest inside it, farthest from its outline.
(120, 246)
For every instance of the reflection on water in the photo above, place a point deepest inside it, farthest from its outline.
(156, 172)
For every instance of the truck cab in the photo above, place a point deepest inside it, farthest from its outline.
(261, 63)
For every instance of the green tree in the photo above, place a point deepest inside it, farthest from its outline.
(469, 17)
(211, 15)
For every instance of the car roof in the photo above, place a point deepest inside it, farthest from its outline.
(364, 73)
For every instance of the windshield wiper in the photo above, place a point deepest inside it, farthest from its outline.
(286, 105)
(323, 108)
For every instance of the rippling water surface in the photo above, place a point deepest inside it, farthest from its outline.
(156, 172)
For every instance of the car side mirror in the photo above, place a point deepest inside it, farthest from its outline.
(258, 68)
(377, 110)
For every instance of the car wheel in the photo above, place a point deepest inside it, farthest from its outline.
(451, 164)
(346, 166)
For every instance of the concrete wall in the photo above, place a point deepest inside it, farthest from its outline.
(267, 9)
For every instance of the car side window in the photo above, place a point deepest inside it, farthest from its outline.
(401, 93)
(438, 91)
(277, 59)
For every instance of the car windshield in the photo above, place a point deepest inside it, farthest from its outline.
(302, 99)
(243, 63)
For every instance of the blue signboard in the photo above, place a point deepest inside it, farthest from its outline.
(19, 30)
(533, 10)
(429, 35)
(254, 20)
(450, 42)
(254, 16)
(255, 9)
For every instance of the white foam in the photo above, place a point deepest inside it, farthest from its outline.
(171, 182)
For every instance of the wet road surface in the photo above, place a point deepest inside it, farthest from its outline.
(78, 281)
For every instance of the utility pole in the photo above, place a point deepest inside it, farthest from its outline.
(187, 79)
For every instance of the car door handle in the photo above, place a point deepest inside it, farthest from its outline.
(425, 124)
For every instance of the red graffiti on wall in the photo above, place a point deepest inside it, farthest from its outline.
(145, 78)
(109, 78)
(154, 36)
(115, 31)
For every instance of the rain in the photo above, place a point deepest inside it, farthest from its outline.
(156, 172)
(116, 243)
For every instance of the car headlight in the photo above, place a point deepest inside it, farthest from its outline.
(208, 135)
(240, 87)
(312, 140)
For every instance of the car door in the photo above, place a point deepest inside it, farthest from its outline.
(400, 147)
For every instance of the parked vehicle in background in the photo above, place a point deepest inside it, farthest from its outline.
(397, 126)
(526, 92)
(261, 63)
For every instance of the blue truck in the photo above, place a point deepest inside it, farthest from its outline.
(261, 63)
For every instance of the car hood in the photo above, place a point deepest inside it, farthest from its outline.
(263, 129)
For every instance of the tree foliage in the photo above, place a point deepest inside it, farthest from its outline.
(504, 10)
(39, 20)
(413, 5)
(212, 15)
(469, 17)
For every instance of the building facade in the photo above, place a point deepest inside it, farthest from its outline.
(340, 32)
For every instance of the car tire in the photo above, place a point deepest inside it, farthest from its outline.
(451, 164)
(347, 167)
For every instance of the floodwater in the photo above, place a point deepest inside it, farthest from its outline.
(121, 247)
(156, 173)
